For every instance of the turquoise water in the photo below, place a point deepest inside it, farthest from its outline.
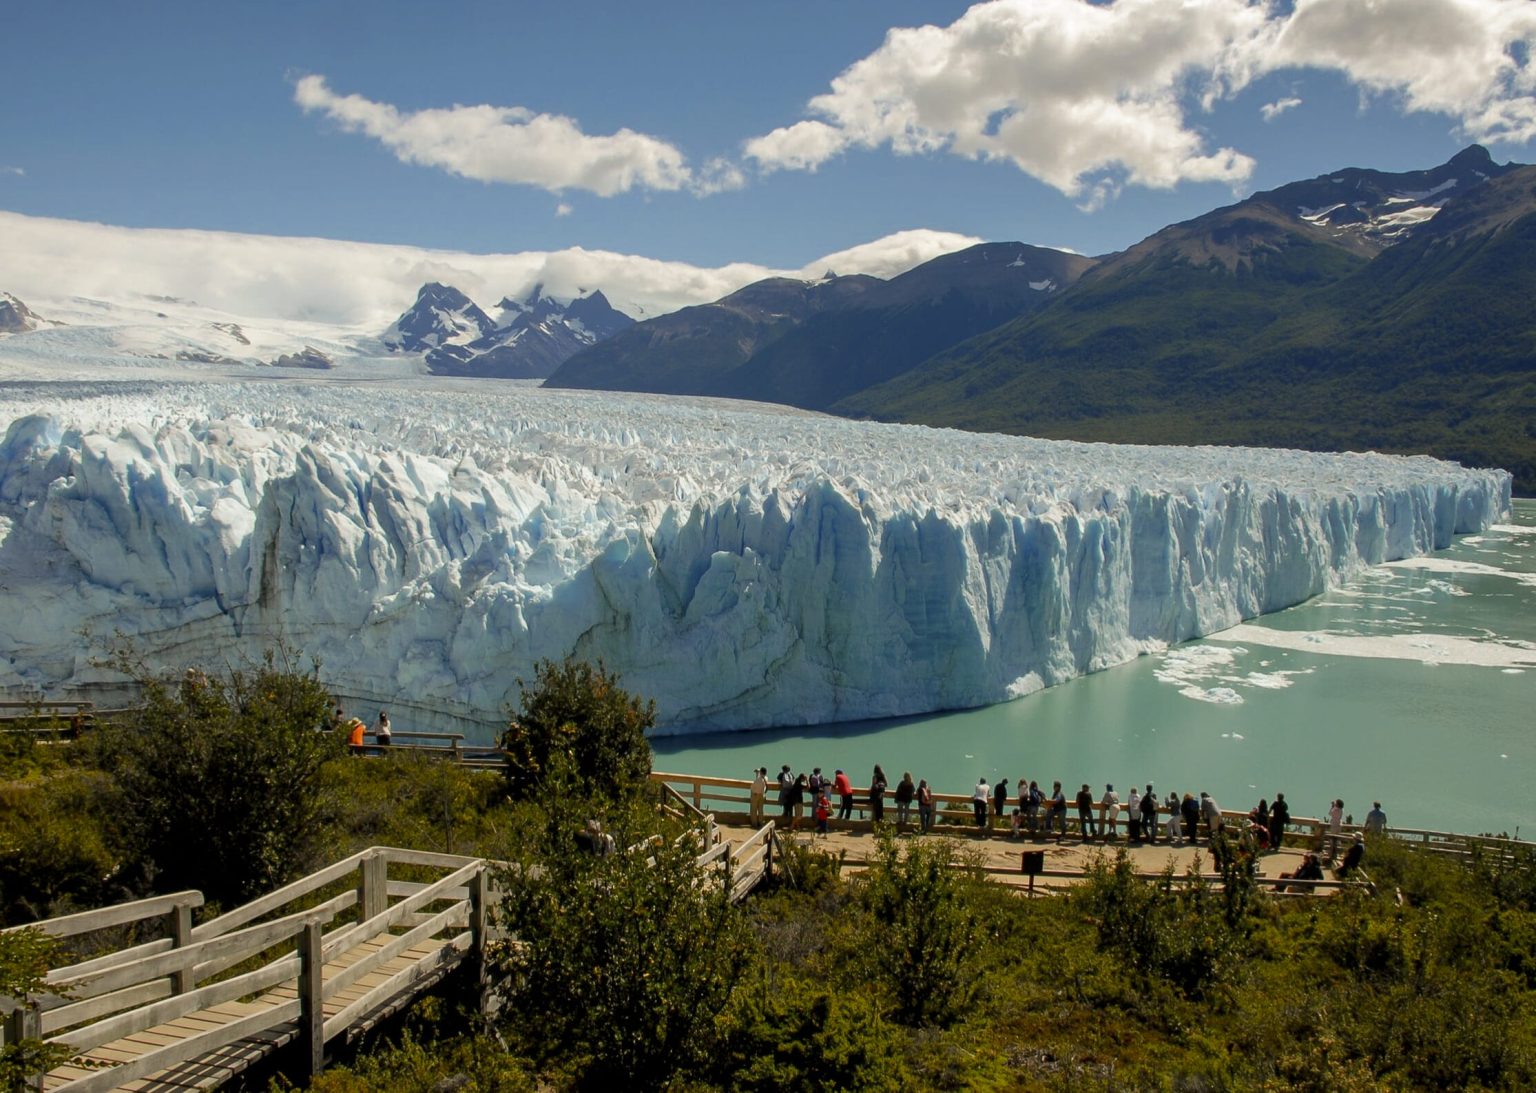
(1412, 686)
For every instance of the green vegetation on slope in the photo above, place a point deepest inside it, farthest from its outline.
(1429, 348)
(917, 974)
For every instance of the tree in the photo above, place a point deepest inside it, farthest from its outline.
(220, 779)
(618, 964)
(24, 959)
(577, 723)
(930, 933)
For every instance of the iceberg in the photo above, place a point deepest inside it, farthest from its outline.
(744, 565)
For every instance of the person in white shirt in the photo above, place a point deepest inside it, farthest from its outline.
(759, 795)
(1335, 826)
(381, 729)
(1133, 814)
(980, 800)
(1109, 812)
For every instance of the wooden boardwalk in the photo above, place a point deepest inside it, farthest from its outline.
(316, 963)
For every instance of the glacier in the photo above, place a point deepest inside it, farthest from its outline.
(746, 566)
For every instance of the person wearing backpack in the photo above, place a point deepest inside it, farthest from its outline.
(1149, 815)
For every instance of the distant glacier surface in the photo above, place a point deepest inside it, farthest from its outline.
(746, 566)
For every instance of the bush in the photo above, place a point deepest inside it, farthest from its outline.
(1175, 932)
(54, 857)
(578, 725)
(795, 1036)
(927, 934)
(619, 963)
(220, 779)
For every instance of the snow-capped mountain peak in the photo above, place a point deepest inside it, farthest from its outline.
(529, 338)
(441, 315)
(15, 316)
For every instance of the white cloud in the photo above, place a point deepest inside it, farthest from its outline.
(17, 171)
(803, 146)
(1272, 110)
(1468, 59)
(506, 144)
(893, 254)
(1089, 97)
(365, 285)
(563, 209)
(1073, 93)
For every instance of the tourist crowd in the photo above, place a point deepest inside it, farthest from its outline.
(1028, 811)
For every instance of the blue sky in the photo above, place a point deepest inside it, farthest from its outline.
(1053, 121)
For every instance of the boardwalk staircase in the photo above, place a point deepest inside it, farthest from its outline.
(306, 968)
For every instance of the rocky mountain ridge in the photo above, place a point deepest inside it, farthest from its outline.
(528, 339)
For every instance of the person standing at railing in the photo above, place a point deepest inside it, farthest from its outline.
(877, 784)
(786, 784)
(1109, 812)
(1085, 826)
(1030, 800)
(999, 801)
(381, 730)
(1335, 827)
(759, 795)
(1149, 815)
(1058, 813)
(924, 806)
(844, 787)
(980, 799)
(1375, 820)
(1133, 815)
(905, 791)
(1279, 816)
(798, 791)
(1211, 812)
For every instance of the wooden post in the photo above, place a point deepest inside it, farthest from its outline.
(479, 931)
(311, 1001)
(25, 1023)
(373, 888)
(698, 796)
(179, 926)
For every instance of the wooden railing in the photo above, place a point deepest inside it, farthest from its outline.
(296, 951)
(102, 1000)
(730, 800)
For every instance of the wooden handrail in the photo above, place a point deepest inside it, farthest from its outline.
(119, 914)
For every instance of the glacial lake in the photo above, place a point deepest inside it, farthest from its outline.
(1414, 684)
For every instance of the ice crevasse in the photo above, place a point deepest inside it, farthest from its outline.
(745, 567)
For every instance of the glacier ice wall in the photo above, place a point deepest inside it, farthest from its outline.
(746, 566)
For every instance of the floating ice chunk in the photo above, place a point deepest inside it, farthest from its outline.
(1221, 696)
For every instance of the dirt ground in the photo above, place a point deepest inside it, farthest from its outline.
(1001, 855)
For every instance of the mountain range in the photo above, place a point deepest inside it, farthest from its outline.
(1358, 309)
(528, 339)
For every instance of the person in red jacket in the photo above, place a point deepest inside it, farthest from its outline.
(844, 789)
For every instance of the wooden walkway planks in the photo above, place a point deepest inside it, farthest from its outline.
(189, 1010)
(223, 1063)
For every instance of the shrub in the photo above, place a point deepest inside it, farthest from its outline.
(220, 779)
(578, 724)
(927, 935)
(1168, 931)
(619, 963)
